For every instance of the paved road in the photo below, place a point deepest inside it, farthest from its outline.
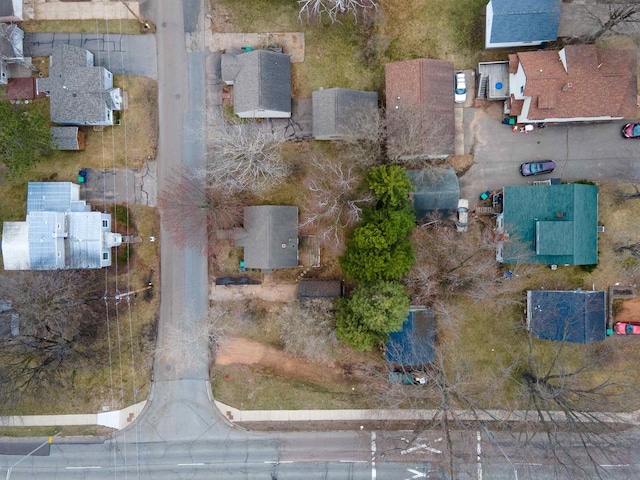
(594, 151)
(120, 54)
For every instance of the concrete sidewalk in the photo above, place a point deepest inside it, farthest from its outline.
(119, 419)
(94, 10)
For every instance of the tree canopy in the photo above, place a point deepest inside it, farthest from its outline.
(390, 184)
(24, 138)
(371, 313)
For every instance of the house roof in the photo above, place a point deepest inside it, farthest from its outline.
(579, 81)
(426, 85)
(575, 316)
(10, 10)
(11, 37)
(524, 21)
(434, 189)
(554, 224)
(65, 138)
(261, 81)
(413, 346)
(340, 113)
(80, 93)
(271, 239)
(22, 89)
(310, 288)
(60, 232)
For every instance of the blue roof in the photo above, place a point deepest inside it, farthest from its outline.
(413, 345)
(575, 316)
(516, 21)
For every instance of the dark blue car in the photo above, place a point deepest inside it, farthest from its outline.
(537, 168)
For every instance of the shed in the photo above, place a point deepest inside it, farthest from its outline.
(435, 189)
(67, 138)
(413, 346)
(311, 288)
(339, 114)
(270, 237)
(513, 23)
(569, 316)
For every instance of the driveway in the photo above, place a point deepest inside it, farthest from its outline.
(120, 185)
(594, 151)
(120, 54)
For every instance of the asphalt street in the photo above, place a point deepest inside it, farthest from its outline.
(120, 54)
(596, 152)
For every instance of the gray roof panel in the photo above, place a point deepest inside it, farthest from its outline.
(339, 113)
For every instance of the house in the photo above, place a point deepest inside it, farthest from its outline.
(420, 109)
(552, 224)
(435, 189)
(261, 82)
(579, 83)
(270, 237)
(340, 114)
(11, 43)
(11, 11)
(413, 346)
(311, 288)
(9, 320)
(577, 317)
(80, 93)
(60, 232)
(67, 138)
(517, 23)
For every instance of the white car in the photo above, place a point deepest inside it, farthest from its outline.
(460, 94)
(462, 220)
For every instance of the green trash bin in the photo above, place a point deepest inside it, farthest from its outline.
(80, 179)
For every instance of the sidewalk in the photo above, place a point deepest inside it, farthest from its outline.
(119, 419)
(96, 9)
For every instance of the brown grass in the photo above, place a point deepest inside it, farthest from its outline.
(128, 27)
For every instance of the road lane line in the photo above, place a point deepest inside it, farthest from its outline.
(373, 455)
(190, 464)
(275, 462)
(352, 461)
(478, 458)
(621, 465)
(83, 468)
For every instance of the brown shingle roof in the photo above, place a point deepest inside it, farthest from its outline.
(428, 85)
(595, 83)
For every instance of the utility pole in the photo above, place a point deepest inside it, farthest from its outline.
(145, 24)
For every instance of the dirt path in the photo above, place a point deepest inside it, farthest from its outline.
(248, 352)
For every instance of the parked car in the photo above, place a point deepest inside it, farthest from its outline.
(537, 168)
(631, 130)
(462, 220)
(627, 328)
(460, 95)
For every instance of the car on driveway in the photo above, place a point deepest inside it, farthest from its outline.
(462, 220)
(631, 130)
(627, 328)
(460, 95)
(537, 168)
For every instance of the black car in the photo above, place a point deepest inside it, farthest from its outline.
(537, 168)
(631, 130)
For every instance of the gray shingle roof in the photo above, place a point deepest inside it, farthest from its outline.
(574, 316)
(516, 21)
(311, 288)
(261, 83)
(11, 37)
(80, 93)
(339, 113)
(10, 8)
(436, 189)
(65, 138)
(272, 237)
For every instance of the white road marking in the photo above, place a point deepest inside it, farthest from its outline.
(529, 464)
(82, 468)
(613, 466)
(479, 457)
(352, 461)
(416, 474)
(190, 464)
(278, 461)
(373, 456)
(420, 447)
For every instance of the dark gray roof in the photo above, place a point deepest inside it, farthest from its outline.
(516, 21)
(310, 288)
(65, 138)
(11, 37)
(271, 239)
(263, 82)
(434, 189)
(413, 346)
(9, 325)
(575, 316)
(339, 113)
(80, 93)
(8, 9)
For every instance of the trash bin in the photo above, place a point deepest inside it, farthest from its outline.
(485, 195)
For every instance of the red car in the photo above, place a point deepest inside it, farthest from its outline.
(631, 130)
(627, 328)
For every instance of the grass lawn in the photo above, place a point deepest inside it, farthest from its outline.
(127, 27)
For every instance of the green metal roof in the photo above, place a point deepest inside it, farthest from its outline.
(551, 224)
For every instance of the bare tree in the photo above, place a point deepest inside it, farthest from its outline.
(188, 205)
(335, 201)
(610, 16)
(244, 157)
(365, 142)
(332, 8)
